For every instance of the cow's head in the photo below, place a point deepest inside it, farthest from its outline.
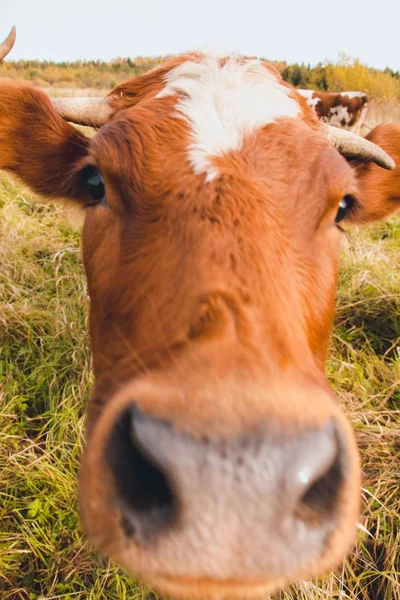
(218, 462)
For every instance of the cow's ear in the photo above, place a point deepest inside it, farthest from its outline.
(378, 188)
(37, 144)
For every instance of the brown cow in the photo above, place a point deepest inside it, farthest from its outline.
(344, 109)
(218, 462)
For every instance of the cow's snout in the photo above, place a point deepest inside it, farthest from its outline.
(237, 508)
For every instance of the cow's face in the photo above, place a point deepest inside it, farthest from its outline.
(211, 251)
(183, 222)
(218, 462)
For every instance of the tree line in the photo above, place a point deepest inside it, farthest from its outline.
(344, 74)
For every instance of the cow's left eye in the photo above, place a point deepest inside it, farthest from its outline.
(95, 185)
(345, 206)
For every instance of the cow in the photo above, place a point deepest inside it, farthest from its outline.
(217, 460)
(344, 109)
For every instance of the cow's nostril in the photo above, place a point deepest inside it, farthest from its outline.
(320, 501)
(146, 498)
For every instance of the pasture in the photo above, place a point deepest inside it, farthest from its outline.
(45, 376)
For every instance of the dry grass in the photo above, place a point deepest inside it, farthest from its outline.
(45, 379)
(381, 112)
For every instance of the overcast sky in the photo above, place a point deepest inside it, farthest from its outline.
(298, 31)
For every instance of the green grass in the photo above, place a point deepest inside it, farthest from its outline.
(46, 376)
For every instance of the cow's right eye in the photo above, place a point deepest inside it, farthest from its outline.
(94, 184)
(345, 206)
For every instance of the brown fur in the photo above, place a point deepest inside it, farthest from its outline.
(211, 304)
(36, 144)
(379, 190)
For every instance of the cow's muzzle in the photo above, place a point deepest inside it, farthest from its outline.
(276, 503)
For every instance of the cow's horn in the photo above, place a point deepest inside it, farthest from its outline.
(8, 43)
(93, 112)
(352, 145)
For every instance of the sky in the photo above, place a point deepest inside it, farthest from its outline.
(306, 31)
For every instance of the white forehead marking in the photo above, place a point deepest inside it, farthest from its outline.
(223, 104)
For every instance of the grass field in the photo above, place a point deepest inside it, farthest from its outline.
(380, 112)
(45, 380)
